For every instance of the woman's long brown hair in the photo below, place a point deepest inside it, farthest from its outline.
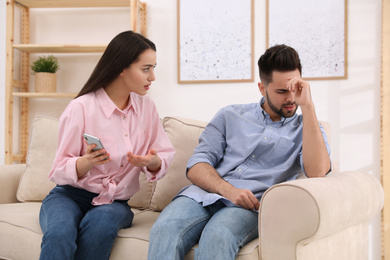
(121, 52)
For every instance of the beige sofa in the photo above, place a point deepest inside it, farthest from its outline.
(324, 218)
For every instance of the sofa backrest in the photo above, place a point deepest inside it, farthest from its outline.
(184, 133)
(34, 184)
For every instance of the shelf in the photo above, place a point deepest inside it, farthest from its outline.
(44, 95)
(72, 3)
(20, 88)
(18, 157)
(61, 48)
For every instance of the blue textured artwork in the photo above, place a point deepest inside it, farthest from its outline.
(215, 40)
(316, 29)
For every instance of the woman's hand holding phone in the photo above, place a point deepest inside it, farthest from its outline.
(93, 156)
(96, 157)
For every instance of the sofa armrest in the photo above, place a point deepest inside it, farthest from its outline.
(9, 180)
(306, 210)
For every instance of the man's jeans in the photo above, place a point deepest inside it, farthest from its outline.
(73, 228)
(220, 231)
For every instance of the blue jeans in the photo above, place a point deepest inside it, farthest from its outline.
(73, 228)
(220, 231)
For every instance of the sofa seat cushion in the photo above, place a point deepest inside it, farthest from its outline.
(19, 228)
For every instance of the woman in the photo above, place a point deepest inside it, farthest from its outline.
(82, 215)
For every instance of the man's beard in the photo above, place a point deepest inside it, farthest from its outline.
(279, 111)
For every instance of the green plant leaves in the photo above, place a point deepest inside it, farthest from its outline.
(45, 64)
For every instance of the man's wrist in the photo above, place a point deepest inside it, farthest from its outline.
(224, 188)
(308, 107)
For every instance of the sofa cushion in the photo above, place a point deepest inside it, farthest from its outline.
(141, 199)
(34, 184)
(184, 134)
(21, 235)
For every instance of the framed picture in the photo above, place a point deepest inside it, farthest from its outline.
(215, 41)
(317, 30)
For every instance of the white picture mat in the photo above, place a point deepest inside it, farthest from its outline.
(215, 40)
(316, 29)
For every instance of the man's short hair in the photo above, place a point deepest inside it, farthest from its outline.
(278, 58)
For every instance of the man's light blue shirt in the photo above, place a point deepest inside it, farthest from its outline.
(249, 150)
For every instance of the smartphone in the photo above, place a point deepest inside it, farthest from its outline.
(93, 140)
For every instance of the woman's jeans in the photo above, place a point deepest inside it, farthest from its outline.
(73, 228)
(220, 231)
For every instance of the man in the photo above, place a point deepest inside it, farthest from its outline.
(244, 150)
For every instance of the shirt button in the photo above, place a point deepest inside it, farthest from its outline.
(253, 156)
(122, 165)
(124, 117)
(265, 138)
(126, 135)
(239, 170)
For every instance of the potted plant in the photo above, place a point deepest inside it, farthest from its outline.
(44, 69)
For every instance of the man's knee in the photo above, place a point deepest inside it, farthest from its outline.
(164, 226)
(219, 235)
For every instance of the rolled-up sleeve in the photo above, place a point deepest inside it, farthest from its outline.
(70, 140)
(212, 143)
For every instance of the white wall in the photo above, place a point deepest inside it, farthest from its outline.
(351, 105)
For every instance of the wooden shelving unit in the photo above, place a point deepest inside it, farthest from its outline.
(385, 128)
(58, 48)
(43, 95)
(19, 88)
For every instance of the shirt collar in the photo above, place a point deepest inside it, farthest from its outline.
(267, 119)
(109, 106)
